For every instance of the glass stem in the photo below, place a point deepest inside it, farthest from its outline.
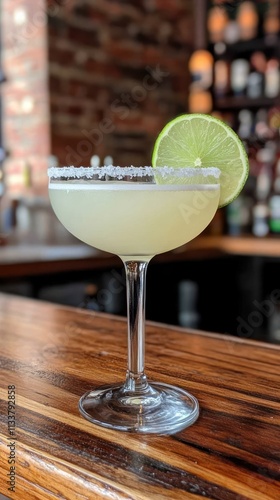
(136, 380)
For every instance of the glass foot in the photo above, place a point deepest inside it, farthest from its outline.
(160, 409)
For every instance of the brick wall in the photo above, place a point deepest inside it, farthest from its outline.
(118, 72)
(25, 97)
(88, 77)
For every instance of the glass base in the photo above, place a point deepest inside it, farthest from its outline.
(160, 409)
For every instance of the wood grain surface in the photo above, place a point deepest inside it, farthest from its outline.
(52, 355)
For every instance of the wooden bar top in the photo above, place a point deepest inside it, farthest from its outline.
(50, 355)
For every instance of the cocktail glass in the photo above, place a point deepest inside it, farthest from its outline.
(136, 213)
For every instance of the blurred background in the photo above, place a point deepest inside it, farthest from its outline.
(86, 81)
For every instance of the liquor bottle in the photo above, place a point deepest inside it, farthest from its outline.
(274, 120)
(247, 19)
(238, 215)
(274, 202)
(271, 23)
(95, 161)
(258, 61)
(261, 211)
(255, 83)
(200, 100)
(272, 78)
(239, 74)
(232, 32)
(246, 123)
(216, 23)
(201, 71)
(221, 78)
(201, 68)
(108, 160)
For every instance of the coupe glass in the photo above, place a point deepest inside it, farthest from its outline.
(136, 213)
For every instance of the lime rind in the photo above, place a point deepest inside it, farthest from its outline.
(200, 140)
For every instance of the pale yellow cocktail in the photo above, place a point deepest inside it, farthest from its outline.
(134, 220)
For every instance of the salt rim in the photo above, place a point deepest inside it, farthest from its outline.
(120, 172)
